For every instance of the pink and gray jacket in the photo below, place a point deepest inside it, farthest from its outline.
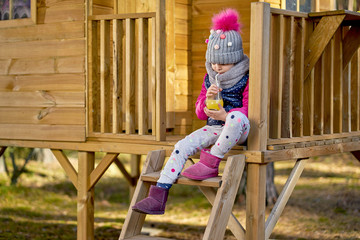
(235, 99)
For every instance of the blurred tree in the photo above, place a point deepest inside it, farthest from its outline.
(271, 192)
(16, 154)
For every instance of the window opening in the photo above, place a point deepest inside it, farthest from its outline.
(14, 9)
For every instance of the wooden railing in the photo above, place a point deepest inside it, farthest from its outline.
(126, 61)
(312, 77)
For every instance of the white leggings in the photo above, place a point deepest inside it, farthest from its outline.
(223, 138)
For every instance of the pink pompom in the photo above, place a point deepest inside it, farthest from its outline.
(227, 20)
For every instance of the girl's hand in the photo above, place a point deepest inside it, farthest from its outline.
(216, 114)
(212, 91)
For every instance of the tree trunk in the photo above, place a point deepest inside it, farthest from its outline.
(271, 192)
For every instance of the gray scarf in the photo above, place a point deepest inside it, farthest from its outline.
(231, 77)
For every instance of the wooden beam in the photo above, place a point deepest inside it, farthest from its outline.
(351, 43)
(122, 16)
(85, 199)
(124, 172)
(101, 168)
(2, 150)
(284, 197)
(319, 39)
(67, 166)
(223, 201)
(225, 197)
(356, 154)
(296, 153)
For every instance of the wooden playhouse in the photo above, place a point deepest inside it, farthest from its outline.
(123, 76)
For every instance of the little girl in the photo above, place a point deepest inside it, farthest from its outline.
(227, 72)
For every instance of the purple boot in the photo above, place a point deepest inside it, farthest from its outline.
(207, 167)
(154, 203)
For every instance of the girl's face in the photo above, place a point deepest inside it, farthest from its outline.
(221, 68)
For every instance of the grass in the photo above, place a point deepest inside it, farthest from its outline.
(324, 205)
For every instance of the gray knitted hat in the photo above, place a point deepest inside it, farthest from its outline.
(225, 43)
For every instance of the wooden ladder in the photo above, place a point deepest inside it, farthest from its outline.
(222, 198)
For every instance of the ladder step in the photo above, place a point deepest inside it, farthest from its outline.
(210, 182)
(144, 237)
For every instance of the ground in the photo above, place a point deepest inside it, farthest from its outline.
(325, 204)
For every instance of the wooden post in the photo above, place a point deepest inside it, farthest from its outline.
(255, 201)
(258, 116)
(259, 73)
(160, 71)
(85, 205)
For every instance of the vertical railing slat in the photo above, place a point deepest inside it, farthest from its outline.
(355, 92)
(298, 103)
(308, 93)
(160, 71)
(346, 91)
(117, 76)
(94, 97)
(328, 88)
(104, 75)
(319, 97)
(281, 71)
(338, 82)
(143, 76)
(130, 76)
(275, 72)
(358, 90)
(287, 99)
(153, 76)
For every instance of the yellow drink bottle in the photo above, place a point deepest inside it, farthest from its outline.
(213, 103)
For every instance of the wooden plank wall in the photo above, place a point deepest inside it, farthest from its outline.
(202, 12)
(42, 75)
(182, 80)
(103, 7)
